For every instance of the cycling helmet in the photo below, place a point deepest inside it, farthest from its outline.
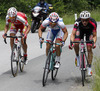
(53, 17)
(12, 12)
(42, 2)
(84, 15)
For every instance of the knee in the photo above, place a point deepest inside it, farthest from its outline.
(89, 49)
(76, 45)
(11, 40)
(47, 47)
(57, 46)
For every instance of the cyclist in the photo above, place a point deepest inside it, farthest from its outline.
(84, 25)
(18, 20)
(56, 29)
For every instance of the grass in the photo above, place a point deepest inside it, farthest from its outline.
(96, 84)
(68, 19)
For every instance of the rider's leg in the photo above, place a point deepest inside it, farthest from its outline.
(78, 36)
(76, 48)
(12, 40)
(24, 46)
(47, 48)
(59, 38)
(89, 37)
(58, 53)
(90, 55)
(13, 31)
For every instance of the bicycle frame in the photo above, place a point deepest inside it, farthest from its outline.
(16, 55)
(53, 53)
(83, 50)
(82, 57)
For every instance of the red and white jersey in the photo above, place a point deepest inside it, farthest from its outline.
(21, 19)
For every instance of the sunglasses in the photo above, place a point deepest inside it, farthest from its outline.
(85, 20)
(11, 17)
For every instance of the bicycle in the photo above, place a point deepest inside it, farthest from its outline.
(17, 55)
(83, 56)
(50, 62)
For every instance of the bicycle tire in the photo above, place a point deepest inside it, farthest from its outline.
(82, 69)
(14, 61)
(46, 69)
(21, 58)
(54, 71)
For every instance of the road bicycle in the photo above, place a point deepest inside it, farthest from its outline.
(50, 63)
(17, 55)
(83, 58)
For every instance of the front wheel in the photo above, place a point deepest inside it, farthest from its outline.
(14, 60)
(82, 69)
(46, 69)
(33, 27)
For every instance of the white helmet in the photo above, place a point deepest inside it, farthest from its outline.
(84, 15)
(53, 17)
(12, 12)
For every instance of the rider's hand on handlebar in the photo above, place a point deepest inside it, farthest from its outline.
(94, 45)
(71, 45)
(62, 43)
(4, 35)
(41, 40)
(25, 36)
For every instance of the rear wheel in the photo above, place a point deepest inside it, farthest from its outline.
(14, 60)
(46, 69)
(21, 58)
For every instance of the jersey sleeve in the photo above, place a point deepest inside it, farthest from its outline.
(23, 20)
(7, 18)
(61, 24)
(45, 23)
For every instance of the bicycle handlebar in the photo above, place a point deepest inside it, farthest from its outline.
(13, 37)
(83, 42)
(51, 43)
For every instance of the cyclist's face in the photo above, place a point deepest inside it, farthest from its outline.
(53, 24)
(85, 22)
(12, 19)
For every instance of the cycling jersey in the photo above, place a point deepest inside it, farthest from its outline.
(20, 22)
(88, 30)
(55, 31)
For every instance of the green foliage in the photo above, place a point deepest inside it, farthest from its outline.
(60, 6)
(21, 5)
(96, 85)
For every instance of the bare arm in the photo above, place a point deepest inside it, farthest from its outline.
(94, 37)
(28, 29)
(6, 28)
(65, 34)
(72, 37)
(40, 32)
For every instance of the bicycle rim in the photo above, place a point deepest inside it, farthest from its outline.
(54, 72)
(14, 61)
(82, 69)
(46, 70)
(21, 58)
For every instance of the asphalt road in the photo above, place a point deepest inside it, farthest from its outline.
(68, 78)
